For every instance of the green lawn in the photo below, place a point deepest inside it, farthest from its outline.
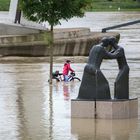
(4, 5)
(98, 5)
(115, 5)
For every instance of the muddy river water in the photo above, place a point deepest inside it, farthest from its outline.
(30, 109)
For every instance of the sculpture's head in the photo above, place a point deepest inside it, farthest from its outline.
(113, 42)
(105, 41)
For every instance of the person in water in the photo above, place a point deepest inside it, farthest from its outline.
(66, 70)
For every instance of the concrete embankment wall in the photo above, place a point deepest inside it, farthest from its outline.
(70, 42)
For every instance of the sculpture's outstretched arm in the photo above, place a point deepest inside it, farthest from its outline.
(115, 54)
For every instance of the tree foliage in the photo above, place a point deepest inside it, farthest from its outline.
(53, 10)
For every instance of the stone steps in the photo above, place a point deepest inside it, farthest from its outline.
(68, 42)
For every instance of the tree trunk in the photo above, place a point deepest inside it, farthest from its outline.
(51, 54)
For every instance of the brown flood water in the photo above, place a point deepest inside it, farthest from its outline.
(30, 109)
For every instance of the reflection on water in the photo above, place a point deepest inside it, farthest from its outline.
(103, 129)
(66, 91)
(30, 109)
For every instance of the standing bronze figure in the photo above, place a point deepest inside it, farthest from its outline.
(94, 85)
(121, 86)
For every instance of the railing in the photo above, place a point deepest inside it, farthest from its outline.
(120, 25)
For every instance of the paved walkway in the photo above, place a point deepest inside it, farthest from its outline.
(4, 17)
(7, 27)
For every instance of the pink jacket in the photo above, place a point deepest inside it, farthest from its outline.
(67, 68)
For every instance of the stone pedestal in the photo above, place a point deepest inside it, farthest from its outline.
(105, 109)
(82, 109)
(117, 109)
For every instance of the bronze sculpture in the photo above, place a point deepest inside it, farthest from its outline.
(94, 85)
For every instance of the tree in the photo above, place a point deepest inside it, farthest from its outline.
(53, 11)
